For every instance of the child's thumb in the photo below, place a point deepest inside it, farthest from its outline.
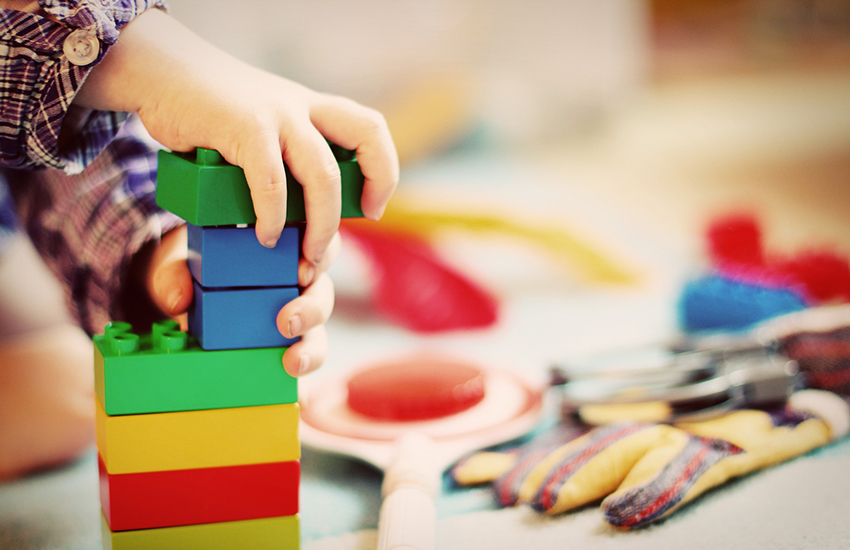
(169, 281)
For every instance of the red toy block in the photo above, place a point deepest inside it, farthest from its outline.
(205, 495)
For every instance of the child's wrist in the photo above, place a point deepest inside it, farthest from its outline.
(149, 55)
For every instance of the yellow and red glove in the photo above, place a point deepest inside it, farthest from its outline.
(645, 471)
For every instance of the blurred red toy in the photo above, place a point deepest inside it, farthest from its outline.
(415, 288)
(735, 240)
(424, 390)
(735, 248)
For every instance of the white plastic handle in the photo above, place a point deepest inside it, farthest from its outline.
(408, 518)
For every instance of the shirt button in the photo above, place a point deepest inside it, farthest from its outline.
(81, 47)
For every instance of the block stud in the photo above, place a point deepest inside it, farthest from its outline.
(124, 343)
(208, 157)
(161, 327)
(172, 341)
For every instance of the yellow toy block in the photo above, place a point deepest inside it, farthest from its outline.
(198, 439)
(279, 533)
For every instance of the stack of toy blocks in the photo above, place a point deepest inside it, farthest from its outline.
(197, 432)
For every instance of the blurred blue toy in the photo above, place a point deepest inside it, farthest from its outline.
(715, 302)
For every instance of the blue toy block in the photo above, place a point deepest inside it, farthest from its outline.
(232, 257)
(236, 318)
(715, 302)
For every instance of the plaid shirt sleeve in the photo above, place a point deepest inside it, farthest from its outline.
(89, 226)
(38, 82)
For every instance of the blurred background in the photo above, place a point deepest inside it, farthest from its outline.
(665, 109)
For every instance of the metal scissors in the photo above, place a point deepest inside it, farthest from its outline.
(689, 386)
(695, 378)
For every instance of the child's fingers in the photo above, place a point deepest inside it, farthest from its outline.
(309, 310)
(308, 354)
(263, 164)
(313, 164)
(169, 281)
(308, 271)
(354, 126)
(305, 317)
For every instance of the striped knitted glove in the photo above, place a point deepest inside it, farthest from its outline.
(824, 357)
(646, 471)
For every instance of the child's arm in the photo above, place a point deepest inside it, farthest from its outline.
(190, 94)
(93, 259)
(38, 79)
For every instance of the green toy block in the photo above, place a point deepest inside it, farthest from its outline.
(277, 533)
(167, 371)
(203, 189)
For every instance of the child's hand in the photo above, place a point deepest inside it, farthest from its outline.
(189, 94)
(169, 284)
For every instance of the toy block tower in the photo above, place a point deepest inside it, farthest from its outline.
(197, 432)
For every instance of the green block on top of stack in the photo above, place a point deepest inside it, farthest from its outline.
(203, 189)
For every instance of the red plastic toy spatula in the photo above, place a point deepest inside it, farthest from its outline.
(413, 444)
(415, 288)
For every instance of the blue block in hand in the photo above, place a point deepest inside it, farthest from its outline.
(239, 318)
(232, 257)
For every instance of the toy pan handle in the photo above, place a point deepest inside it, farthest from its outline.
(408, 517)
